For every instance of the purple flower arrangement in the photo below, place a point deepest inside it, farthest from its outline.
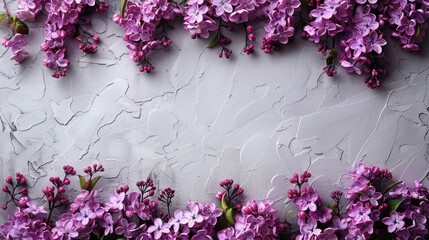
(372, 208)
(65, 19)
(132, 214)
(351, 33)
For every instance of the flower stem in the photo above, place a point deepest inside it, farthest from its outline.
(6, 8)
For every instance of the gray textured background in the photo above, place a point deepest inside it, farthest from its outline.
(199, 119)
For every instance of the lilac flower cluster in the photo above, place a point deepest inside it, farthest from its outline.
(358, 27)
(133, 215)
(64, 19)
(281, 23)
(372, 210)
(204, 16)
(144, 24)
(28, 9)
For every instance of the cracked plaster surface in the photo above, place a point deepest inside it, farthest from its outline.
(199, 119)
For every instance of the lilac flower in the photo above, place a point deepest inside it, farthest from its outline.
(54, 60)
(419, 220)
(159, 228)
(210, 213)
(116, 201)
(396, 15)
(374, 43)
(306, 201)
(399, 190)
(107, 223)
(65, 230)
(394, 221)
(222, 6)
(195, 13)
(322, 214)
(309, 230)
(367, 23)
(359, 213)
(178, 220)
(366, 227)
(239, 16)
(85, 215)
(201, 29)
(371, 195)
(406, 25)
(289, 6)
(226, 234)
(125, 228)
(34, 209)
(284, 34)
(16, 43)
(193, 216)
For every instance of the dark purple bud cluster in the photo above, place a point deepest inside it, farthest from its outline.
(147, 189)
(15, 189)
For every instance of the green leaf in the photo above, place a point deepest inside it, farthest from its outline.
(123, 6)
(391, 187)
(214, 41)
(18, 26)
(230, 215)
(224, 203)
(3, 17)
(394, 204)
(93, 183)
(82, 182)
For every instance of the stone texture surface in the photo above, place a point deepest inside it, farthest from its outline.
(199, 119)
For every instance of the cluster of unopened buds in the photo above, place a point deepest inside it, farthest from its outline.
(91, 170)
(15, 189)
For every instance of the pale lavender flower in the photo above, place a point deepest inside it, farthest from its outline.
(159, 228)
(193, 216)
(222, 6)
(178, 220)
(116, 202)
